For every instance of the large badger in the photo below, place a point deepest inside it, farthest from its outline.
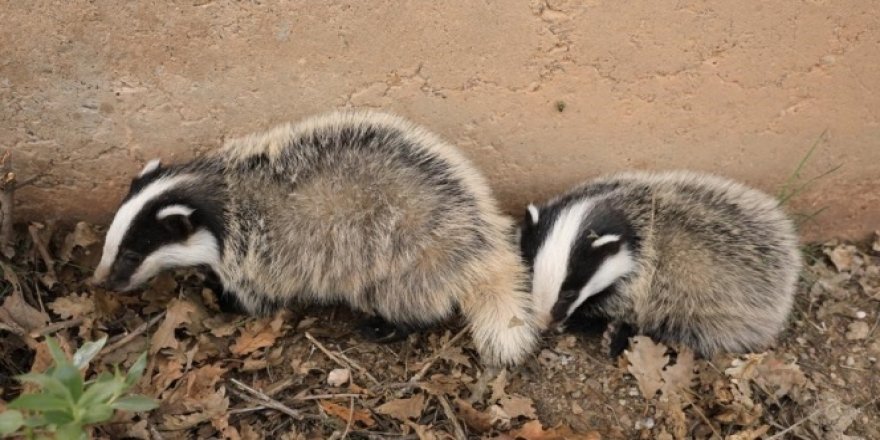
(355, 207)
(679, 256)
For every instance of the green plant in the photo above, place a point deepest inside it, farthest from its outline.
(66, 404)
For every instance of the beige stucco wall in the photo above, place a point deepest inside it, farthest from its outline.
(91, 90)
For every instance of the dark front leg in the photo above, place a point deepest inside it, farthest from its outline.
(227, 301)
(377, 329)
(620, 339)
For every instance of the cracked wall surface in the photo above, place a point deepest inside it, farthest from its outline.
(92, 90)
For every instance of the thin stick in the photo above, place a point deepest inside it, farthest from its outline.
(328, 396)
(246, 410)
(782, 433)
(267, 401)
(702, 416)
(424, 370)
(52, 328)
(341, 359)
(7, 200)
(450, 415)
(127, 338)
(33, 229)
(350, 419)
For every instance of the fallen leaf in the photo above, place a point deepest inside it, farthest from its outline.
(783, 377)
(535, 431)
(257, 334)
(857, 331)
(498, 384)
(441, 384)
(82, 237)
(844, 257)
(679, 376)
(424, 432)
(749, 434)
(403, 409)
(517, 406)
(646, 361)
(16, 310)
(455, 355)
(344, 413)
(473, 418)
(179, 312)
(73, 306)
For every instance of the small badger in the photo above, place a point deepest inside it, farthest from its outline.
(679, 256)
(355, 207)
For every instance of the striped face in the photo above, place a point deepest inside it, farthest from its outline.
(576, 249)
(157, 227)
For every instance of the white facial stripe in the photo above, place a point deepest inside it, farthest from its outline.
(605, 239)
(126, 214)
(150, 166)
(200, 248)
(609, 271)
(174, 210)
(551, 261)
(533, 212)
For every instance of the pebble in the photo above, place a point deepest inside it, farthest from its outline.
(861, 314)
(338, 377)
(850, 361)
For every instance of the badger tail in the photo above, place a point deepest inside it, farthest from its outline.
(499, 310)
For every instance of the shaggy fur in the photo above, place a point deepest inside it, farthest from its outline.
(360, 208)
(714, 263)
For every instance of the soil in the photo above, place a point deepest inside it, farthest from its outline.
(819, 382)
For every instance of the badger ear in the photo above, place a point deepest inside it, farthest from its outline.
(605, 239)
(151, 166)
(176, 219)
(532, 215)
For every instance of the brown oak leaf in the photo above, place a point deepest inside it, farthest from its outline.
(646, 361)
(403, 409)
(257, 334)
(680, 376)
(344, 413)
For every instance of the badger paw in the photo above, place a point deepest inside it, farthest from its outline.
(376, 329)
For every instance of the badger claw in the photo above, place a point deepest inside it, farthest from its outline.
(376, 329)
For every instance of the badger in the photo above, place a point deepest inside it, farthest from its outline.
(354, 207)
(683, 257)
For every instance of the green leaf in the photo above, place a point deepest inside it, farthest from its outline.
(100, 392)
(48, 383)
(71, 378)
(58, 417)
(70, 431)
(135, 403)
(87, 352)
(40, 403)
(56, 352)
(10, 421)
(36, 421)
(136, 370)
(96, 414)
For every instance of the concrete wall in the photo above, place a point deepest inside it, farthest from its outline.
(91, 90)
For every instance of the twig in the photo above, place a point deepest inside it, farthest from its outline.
(33, 229)
(269, 402)
(7, 200)
(350, 419)
(424, 370)
(17, 330)
(52, 328)
(329, 396)
(800, 422)
(450, 415)
(342, 359)
(702, 416)
(154, 433)
(127, 338)
(246, 410)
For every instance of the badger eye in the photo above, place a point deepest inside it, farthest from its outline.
(569, 294)
(131, 256)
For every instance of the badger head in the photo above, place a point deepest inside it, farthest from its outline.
(575, 250)
(161, 224)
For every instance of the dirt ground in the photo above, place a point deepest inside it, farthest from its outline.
(305, 373)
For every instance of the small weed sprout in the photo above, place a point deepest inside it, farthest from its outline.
(66, 403)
